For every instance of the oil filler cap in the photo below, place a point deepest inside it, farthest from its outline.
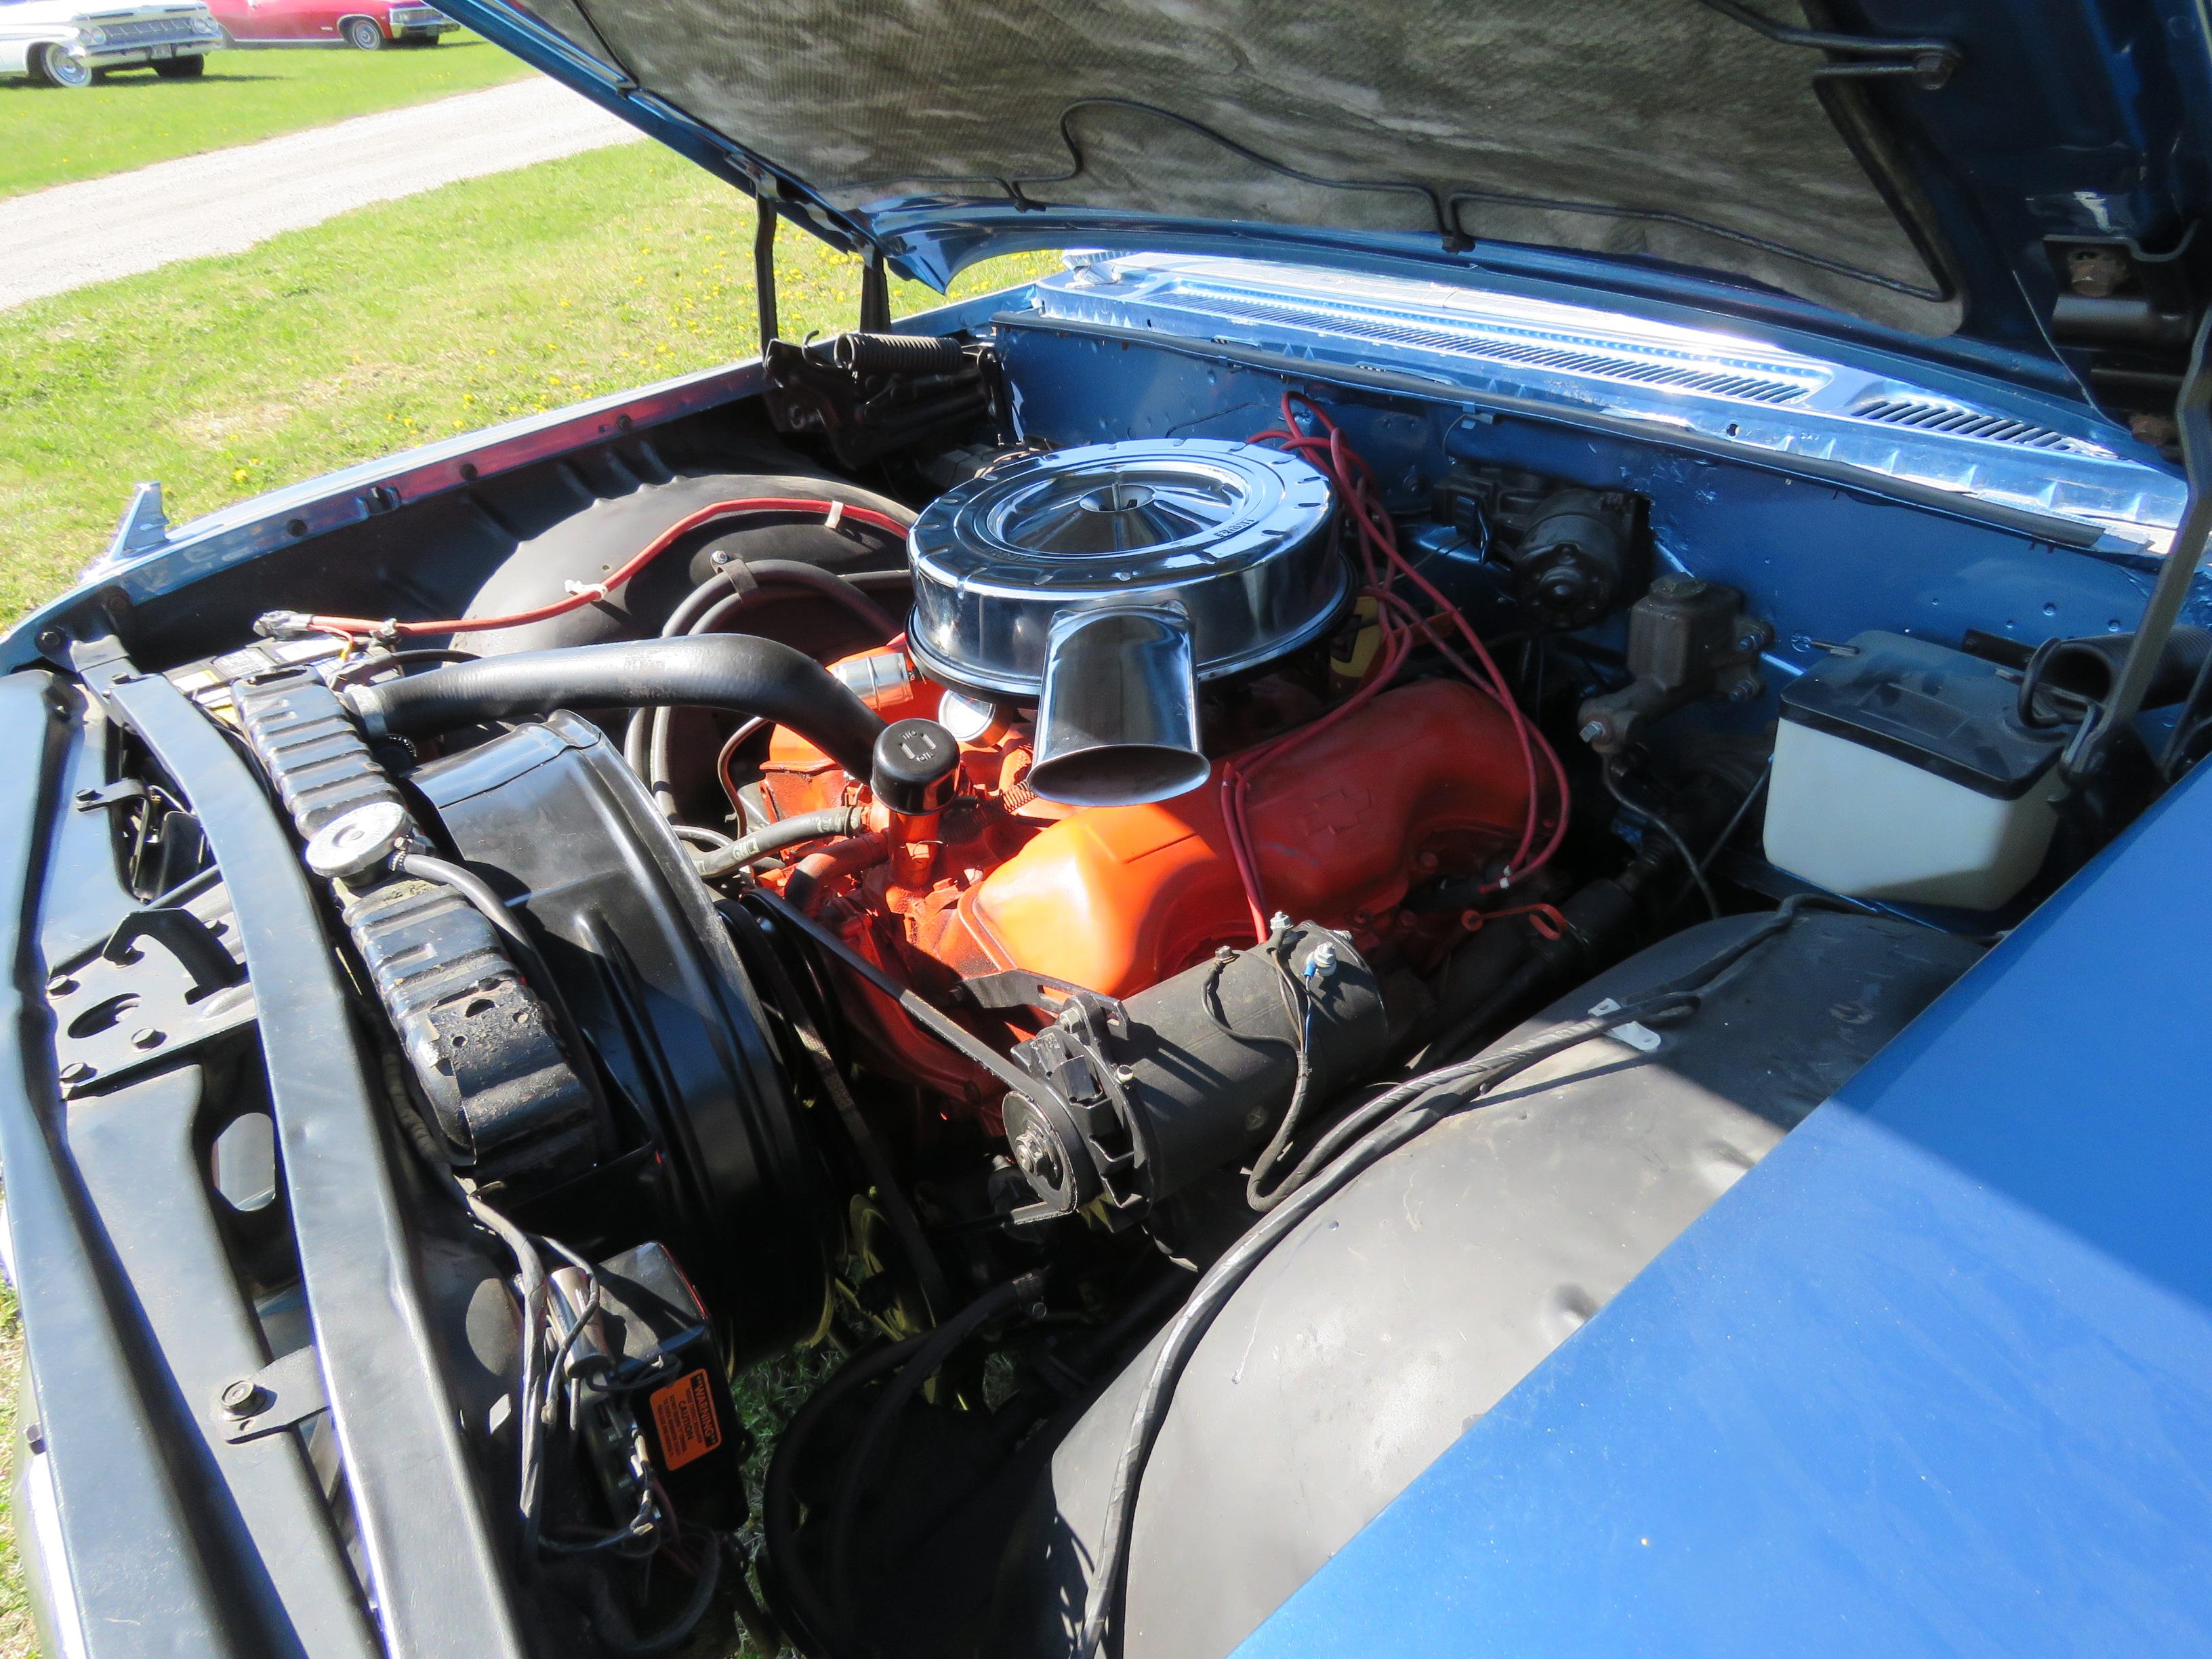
(915, 766)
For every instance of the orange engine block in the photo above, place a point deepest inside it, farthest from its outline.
(1427, 779)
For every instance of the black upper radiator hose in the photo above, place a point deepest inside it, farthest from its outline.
(741, 672)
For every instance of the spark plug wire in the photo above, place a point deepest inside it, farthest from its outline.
(1401, 626)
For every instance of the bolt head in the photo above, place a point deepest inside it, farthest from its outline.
(244, 1397)
(1592, 731)
(1034, 1155)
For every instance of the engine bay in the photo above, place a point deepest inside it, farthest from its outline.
(1173, 925)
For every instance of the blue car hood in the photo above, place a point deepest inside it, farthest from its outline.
(1948, 176)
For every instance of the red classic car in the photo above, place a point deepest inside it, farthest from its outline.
(370, 25)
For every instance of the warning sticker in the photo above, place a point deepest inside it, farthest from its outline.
(683, 1417)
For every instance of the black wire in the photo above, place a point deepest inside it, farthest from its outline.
(1743, 808)
(487, 903)
(1658, 821)
(612, 1627)
(413, 657)
(1299, 1007)
(528, 1266)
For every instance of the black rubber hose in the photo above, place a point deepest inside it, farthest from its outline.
(703, 613)
(800, 1603)
(741, 672)
(943, 1342)
(777, 579)
(840, 858)
(784, 832)
(2065, 677)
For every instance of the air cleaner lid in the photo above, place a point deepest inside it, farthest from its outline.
(1240, 536)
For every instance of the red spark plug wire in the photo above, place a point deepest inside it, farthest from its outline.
(1401, 626)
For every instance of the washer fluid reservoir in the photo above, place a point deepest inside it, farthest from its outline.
(1902, 771)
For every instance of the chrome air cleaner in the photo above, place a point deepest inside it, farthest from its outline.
(1238, 537)
(1104, 584)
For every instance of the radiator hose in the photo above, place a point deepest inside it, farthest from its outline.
(740, 672)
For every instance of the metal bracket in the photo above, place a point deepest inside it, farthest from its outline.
(1018, 988)
(282, 1395)
(1926, 63)
(121, 792)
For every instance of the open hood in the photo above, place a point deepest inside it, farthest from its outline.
(1950, 175)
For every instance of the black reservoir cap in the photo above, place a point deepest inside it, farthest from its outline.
(917, 762)
(1933, 707)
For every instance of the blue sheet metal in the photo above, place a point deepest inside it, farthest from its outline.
(1935, 1378)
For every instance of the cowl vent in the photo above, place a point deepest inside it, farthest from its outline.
(1953, 420)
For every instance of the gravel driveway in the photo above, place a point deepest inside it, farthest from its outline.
(227, 200)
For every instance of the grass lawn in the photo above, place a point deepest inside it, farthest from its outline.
(49, 136)
(16, 1632)
(227, 377)
(379, 329)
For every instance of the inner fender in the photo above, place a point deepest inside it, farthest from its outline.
(585, 546)
(1405, 1307)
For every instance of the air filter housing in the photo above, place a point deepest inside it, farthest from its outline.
(1104, 584)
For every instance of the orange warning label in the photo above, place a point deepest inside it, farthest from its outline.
(683, 1417)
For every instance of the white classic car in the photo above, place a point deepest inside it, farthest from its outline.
(66, 43)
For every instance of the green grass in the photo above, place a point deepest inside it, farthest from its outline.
(17, 1636)
(50, 136)
(379, 330)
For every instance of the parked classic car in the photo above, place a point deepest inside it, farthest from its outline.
(67, 43)
(1451, 907)
(366, 25)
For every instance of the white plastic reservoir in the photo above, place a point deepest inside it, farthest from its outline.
(1902, 771)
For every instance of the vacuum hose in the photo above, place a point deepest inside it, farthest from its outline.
(740, 672)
